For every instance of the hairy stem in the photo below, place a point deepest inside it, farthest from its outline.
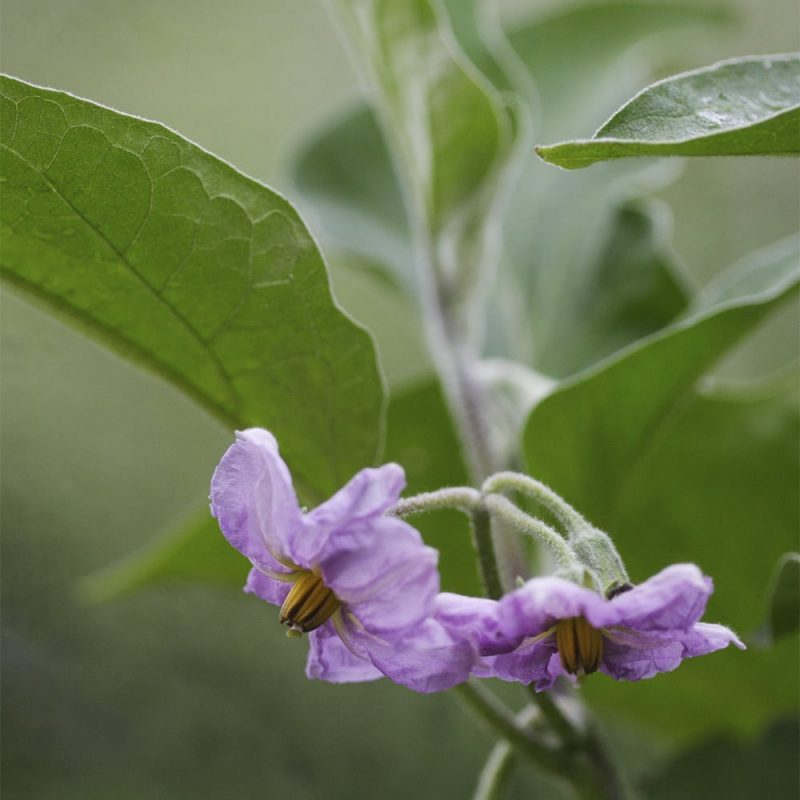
(538, 491)
(462, 498)
(504, 509)
(484, 546)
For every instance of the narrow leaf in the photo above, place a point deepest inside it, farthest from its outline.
(170, 256)
(746, 106)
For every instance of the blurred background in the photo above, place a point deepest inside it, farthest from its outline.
(192, 691)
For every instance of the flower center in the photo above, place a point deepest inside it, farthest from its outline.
(309, 603)
(580, 645)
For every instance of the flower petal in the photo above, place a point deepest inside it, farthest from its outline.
(330, 660)
(541, 602)
(381, 570)
(475, 618)
(674, 599)
(266, 588)
(429, 659)
(706, 638)
(529, 663)
(633, 655)
(253, 499)
(369, 493)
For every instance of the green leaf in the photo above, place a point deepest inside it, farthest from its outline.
(783, 612)
(176, 260)
(376, 300)
(627, 398)
(674, 473)
(745, 106)
(633, 287)
(604, 43)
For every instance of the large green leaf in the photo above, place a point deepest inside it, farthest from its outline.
(746, 106)
(169, 255)
(677, 474)
(620, 405)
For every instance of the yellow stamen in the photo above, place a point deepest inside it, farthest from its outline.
(309, 603)
(566, 644)
(580, 645)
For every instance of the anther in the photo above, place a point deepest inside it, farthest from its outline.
(308, 605)
(580, 645)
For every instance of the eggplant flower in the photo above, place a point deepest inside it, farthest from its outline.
(361, 585)
(551, 627)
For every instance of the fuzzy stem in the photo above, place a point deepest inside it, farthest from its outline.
(538, 491)
(462, 498)
(505, 510)
(484, 546)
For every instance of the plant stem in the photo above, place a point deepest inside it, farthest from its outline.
(462, 498)
(496, 773)
(484, 546)
(588, 742)
(564, 555)
(504, 724)
(555, 716)
(538, 491)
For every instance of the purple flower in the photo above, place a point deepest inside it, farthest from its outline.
(551, 627)
(362, 585)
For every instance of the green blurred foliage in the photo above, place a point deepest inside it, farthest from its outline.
(726, 768)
